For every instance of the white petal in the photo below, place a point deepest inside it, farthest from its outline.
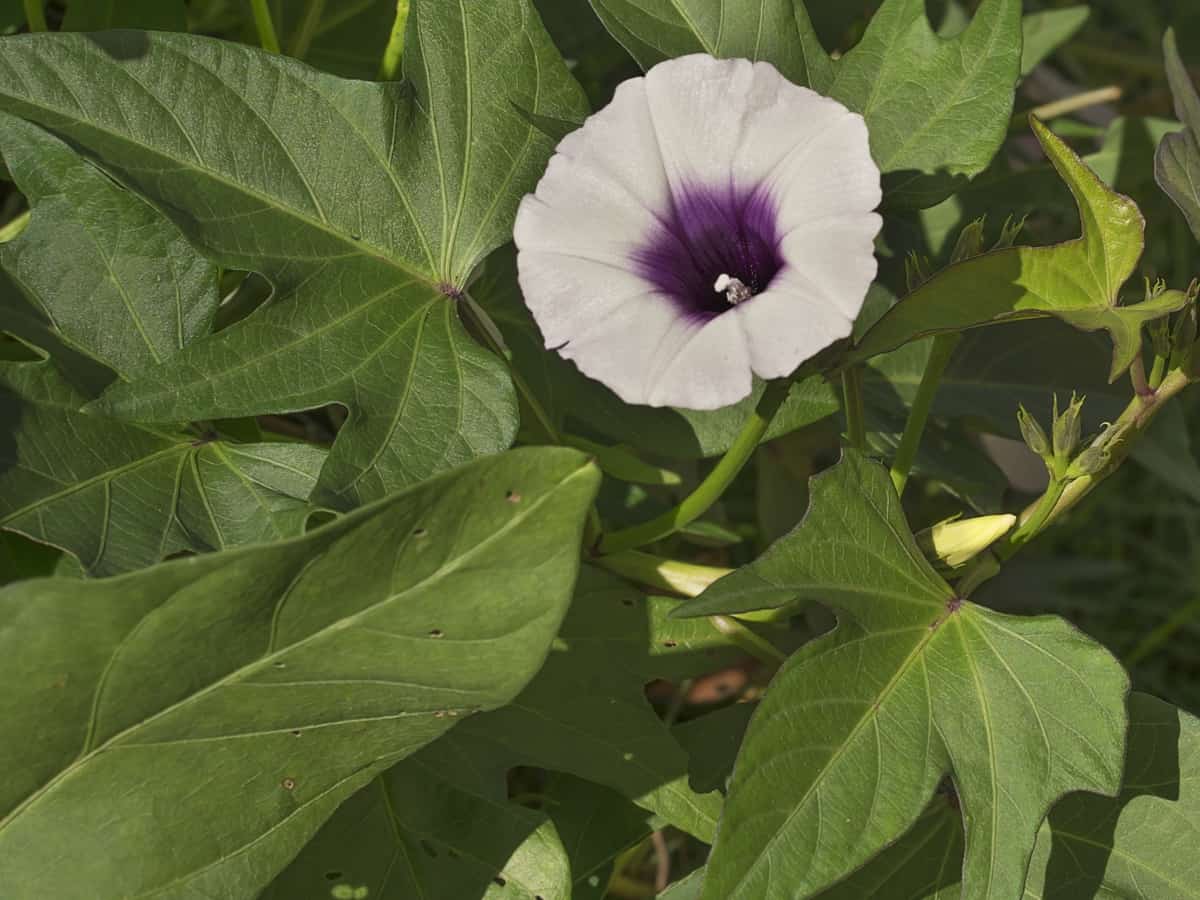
(575, 298)
(706, 367)
(602, 188)
(699, 105)
(788, 324)
(835, 259)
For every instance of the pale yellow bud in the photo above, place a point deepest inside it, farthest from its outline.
(956, 541)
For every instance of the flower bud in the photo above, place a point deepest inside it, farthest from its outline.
(916, 271)
(970, 242)
(1009, 233)
(1032, 432)
(956, 541)
(1089, 462)
(1067, 427)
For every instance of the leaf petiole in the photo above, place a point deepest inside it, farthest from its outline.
(910, 442)
(852, 406)
(265, 25)
(711, 488)
(35, 15)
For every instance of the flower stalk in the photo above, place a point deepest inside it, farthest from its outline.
(918, 416)
(302, 38)
(711, 488)
(35, 15)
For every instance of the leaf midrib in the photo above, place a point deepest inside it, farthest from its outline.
(79, 763)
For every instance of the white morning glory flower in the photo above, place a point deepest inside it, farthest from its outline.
(714, 220)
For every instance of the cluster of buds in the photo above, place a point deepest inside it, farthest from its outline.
(1058, 450)
(919, 269)
(1174, 337)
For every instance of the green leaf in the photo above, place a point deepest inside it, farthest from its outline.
(1078, 281)
(1138, 846)
(1177, 163)
(421, 831)
(925, 864)
(914, 684)
(242, 696)
(120, 497)
(101, 15)
(115, 279)
(931, 105)
(1044, 32)
(366, 205)
(655, 30)
(586, 713)
(1142, 845)
(577, 403)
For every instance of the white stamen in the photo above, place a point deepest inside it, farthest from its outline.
(734, 290)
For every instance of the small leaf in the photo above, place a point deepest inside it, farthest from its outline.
(914, 684)
(1177, 163)
(120, 497)
(1078, 281)
(366, 205)
(242, 696)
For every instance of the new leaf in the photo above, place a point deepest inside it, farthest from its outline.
(913, 685)
(1078, 281)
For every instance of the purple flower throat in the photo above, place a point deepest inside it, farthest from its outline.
(726, 234)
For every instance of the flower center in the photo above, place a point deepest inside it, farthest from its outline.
(713, 249)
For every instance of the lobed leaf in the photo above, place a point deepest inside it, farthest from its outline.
(366, 205)
(121, 497)
(914, 684)
(1078, 281)
(242, 696)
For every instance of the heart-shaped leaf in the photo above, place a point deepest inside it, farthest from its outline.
(242, 696)
(366, 205)
(1078, 281)
(914, 684)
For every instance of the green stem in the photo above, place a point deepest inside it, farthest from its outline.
(35, 15)
(852, 405)
(265, 26)
(389, 66)
(1036, 520)
(486, 328)
(918, 416)
(13, 229)
(303, 36)
(760, 648)
(711, 488)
